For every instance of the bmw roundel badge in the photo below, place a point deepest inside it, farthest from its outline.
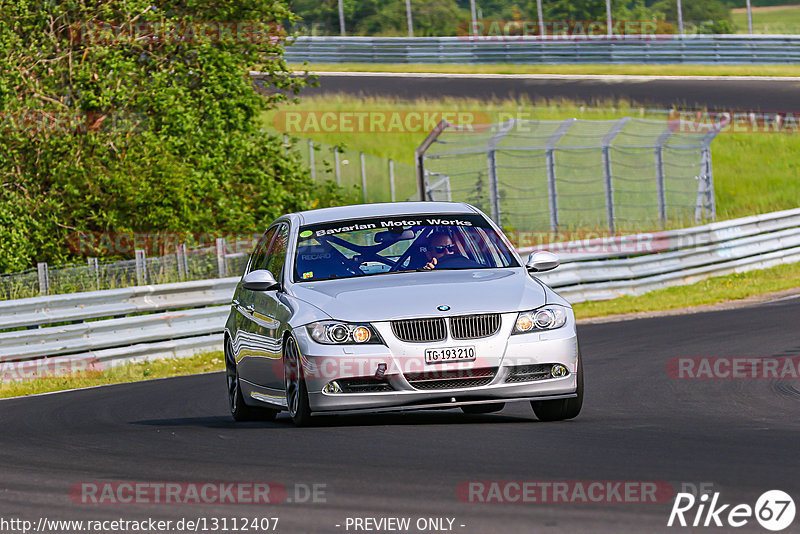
(443, 307)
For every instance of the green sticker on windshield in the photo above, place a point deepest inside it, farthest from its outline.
(306, 233)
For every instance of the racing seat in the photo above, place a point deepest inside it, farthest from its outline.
(315, 262)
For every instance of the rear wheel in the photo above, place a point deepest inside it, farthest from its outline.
(296, 392)
(483, 408)
(559, 410)
(239, 410)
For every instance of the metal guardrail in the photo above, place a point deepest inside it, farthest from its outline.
(184, 318)
(632, 265)
(656, 49)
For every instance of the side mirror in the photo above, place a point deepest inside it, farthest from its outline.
(541, 260)
(260, 280)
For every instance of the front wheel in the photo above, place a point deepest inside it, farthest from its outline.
(296, 392)
(559, 410)
(239, 410)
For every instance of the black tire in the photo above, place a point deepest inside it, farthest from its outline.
(295, 385)
(483, 408)
(562, 409)
(239, 410)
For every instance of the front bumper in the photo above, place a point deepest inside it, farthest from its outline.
(323, 364)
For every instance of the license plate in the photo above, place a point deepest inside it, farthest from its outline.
(449, 354)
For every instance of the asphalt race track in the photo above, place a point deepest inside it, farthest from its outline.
(767, 95)
(638, 424)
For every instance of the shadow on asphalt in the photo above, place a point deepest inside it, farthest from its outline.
(400, 419)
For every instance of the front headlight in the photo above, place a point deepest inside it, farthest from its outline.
(547, 317)
(340, 333)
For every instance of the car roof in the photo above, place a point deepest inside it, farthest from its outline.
(385, 209)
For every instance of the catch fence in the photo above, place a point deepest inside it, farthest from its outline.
(623, 174)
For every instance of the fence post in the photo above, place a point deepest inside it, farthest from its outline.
(44, 278)
(708, 179)
(607, 185)
(363, 178)
(183, 267)
(661, 187)
(550, 159)
(419, 158)
(221, 263)
(94, 267)
(141, 267)
(338, 170)
(494, 197)
(391, 178)
(311, 160)
(286, 144)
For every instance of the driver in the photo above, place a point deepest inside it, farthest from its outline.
(439, 246)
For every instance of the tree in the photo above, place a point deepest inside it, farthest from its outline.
(139, 116)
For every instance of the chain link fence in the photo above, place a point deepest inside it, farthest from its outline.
(624, 174)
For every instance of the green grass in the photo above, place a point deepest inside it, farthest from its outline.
(130, 372)
(770, 20)
(753, 172)
(593, 68)
(712, 291)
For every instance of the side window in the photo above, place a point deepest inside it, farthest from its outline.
(260, 253)
(277, 252)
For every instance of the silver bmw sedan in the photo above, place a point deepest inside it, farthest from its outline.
(401, 306)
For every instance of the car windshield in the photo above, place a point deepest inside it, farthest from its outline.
(363, 247)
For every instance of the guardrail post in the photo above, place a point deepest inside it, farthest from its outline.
(338, 169)
(311, 160)
(363, 178)
(391, 178)
(221, 263)
(141, 267)
(94, 268)
(183, 266)
(44, 278)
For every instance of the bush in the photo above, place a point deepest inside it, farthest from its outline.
(106, 133)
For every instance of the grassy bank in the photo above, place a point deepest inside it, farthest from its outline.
(131, 372)
(594, 68)
(712, 291)
(769, 20)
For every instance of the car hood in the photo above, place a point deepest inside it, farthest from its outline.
(388, 297)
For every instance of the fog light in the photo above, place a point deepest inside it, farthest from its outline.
(558, 371)
(332, 387)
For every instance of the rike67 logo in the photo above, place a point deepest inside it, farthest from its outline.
(774, 510)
